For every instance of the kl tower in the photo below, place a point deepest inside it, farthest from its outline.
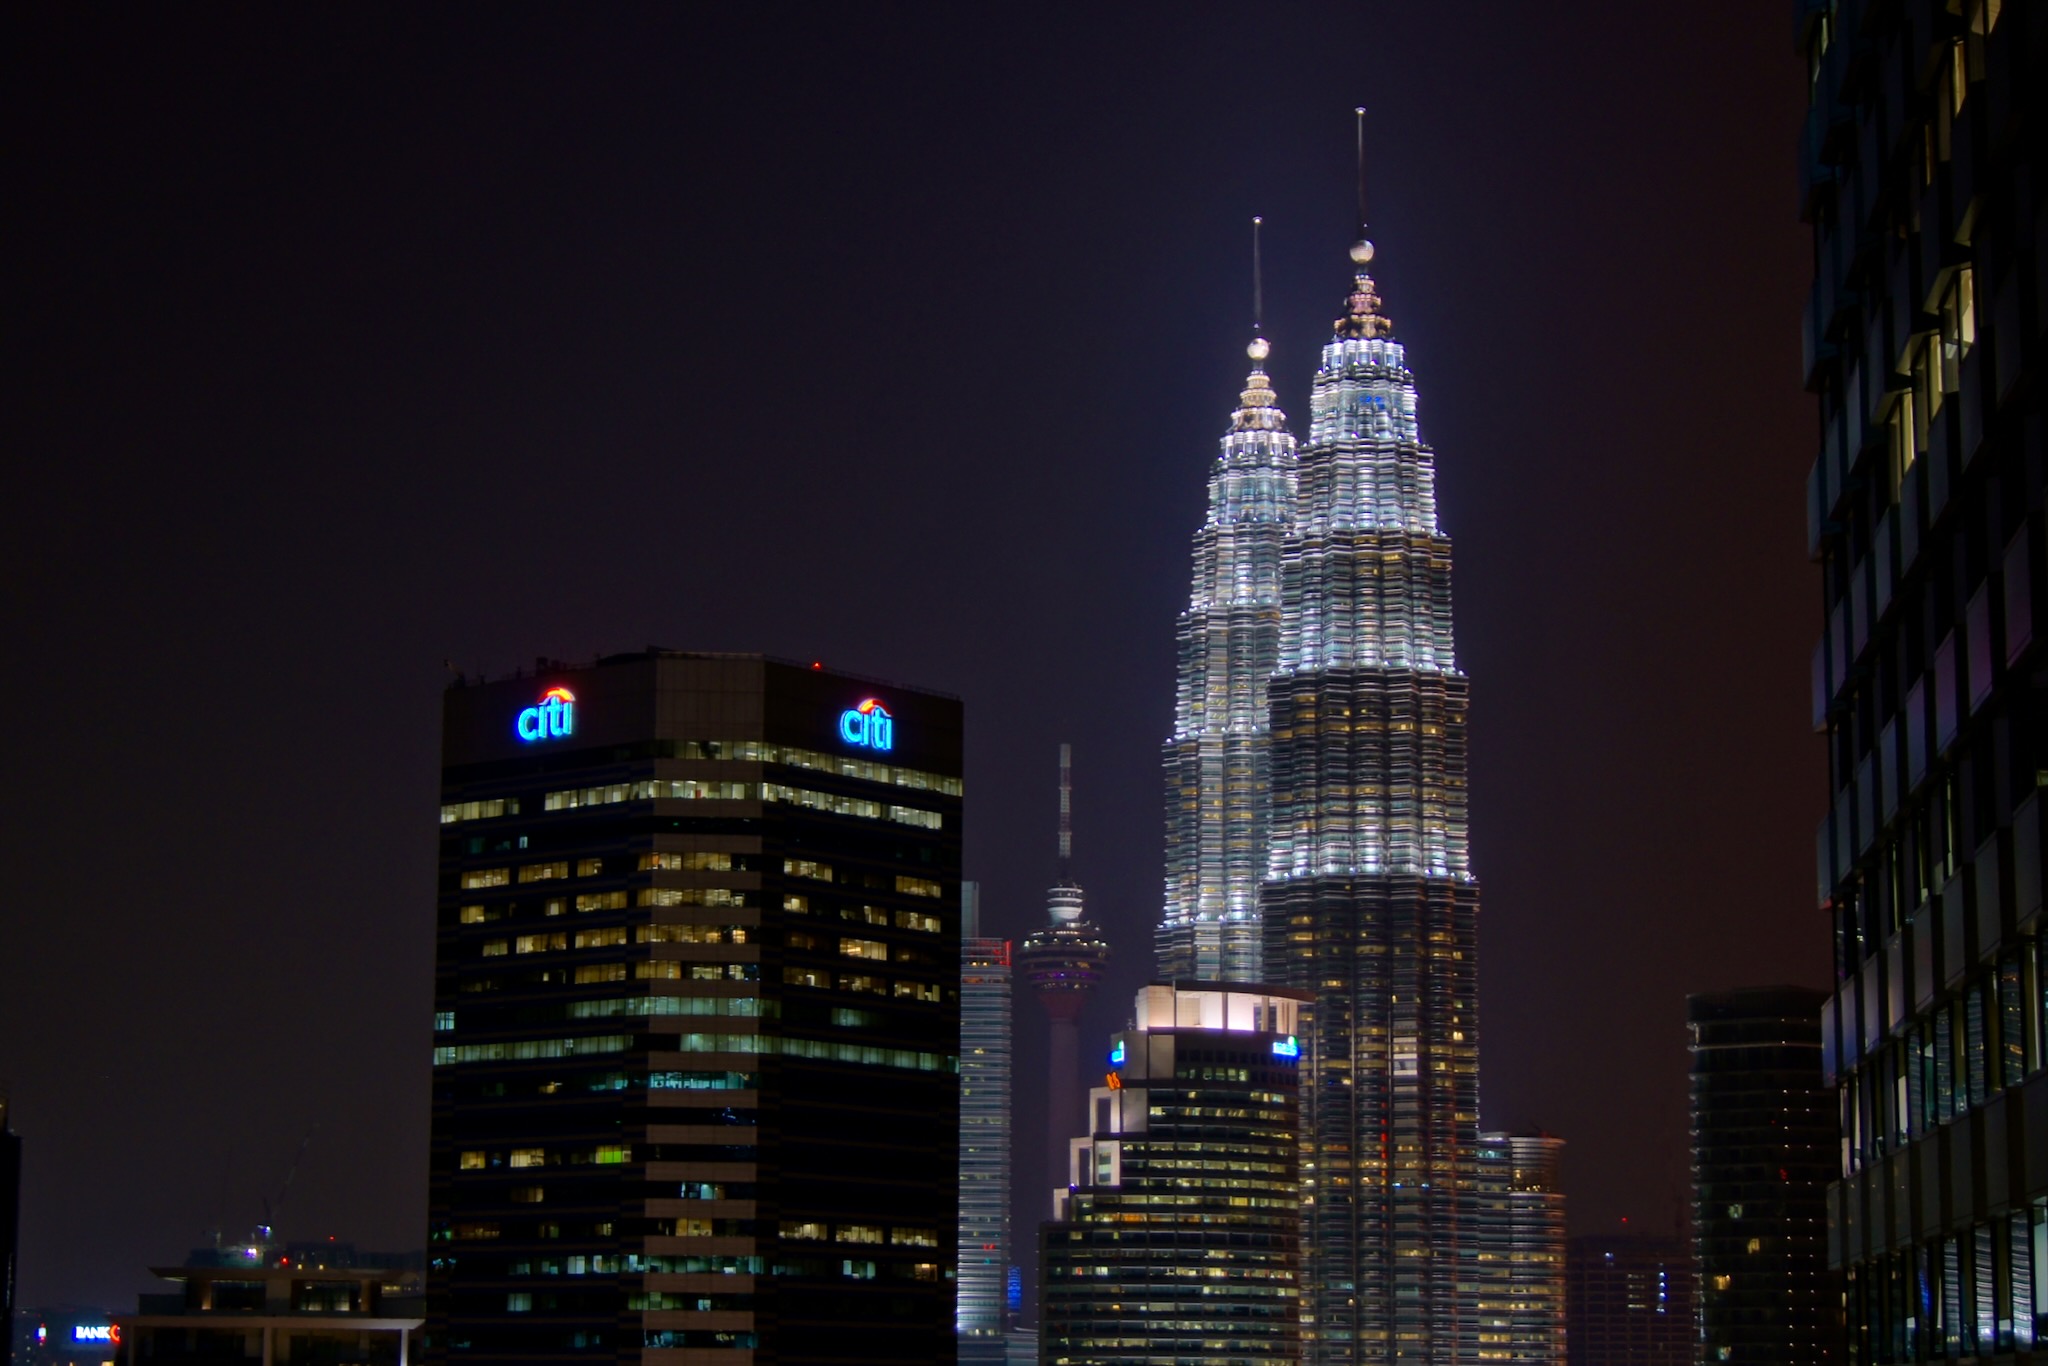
(1063, 963)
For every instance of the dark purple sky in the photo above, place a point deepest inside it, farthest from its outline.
(340, 345)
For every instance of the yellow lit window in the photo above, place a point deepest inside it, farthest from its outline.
(589, 867)
(918, 886)
(527, 1157)
(805, 977)
(601, 901)
(544, 872)
(799, 904)
(807, 1232)
(858, 1233)
(471, 915)
(600, 939)
(811, 868)
(863, 983)
(487, 877)
(913, 1237)
(472, 1160)
(528, 1195)
(606, 972)
(917, 920)
(864, 948)
(496, 948)
(919, 991)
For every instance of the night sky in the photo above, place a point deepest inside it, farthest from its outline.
(344, 349)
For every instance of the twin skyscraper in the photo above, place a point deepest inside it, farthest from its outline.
(1317, 830)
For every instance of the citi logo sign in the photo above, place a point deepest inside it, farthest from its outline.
(550, 718)
(868, 725)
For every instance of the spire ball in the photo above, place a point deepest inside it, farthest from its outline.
(1258, 350)
(1361, 251)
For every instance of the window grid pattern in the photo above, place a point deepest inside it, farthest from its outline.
(1218, 782)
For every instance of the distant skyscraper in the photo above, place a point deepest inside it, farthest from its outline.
(10, 1215)
(1063, 964)
(1629, 1301)
(1370, 901)
(1921, 168)
(696, 1017)
(1515, 1245)
(1763, 1148)
(985, 1136)
(1218, 776)
(1176, 1234)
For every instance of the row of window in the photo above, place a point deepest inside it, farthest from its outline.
(898, 988)
(814, 1231)
(604, 1155)
(447, 1055)
(1980, 1293)
(692, 789)
(1952, 1059)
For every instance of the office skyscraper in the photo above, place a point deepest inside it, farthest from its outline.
(1218, 778)
(1920, 175)
(1063, 964)
(696, 1016)
(1370, 901)
(1515, 1255)
(985, 1136)
(1763, 1144)
(1629, 1301)
(1175, 1237)
(10, 1216)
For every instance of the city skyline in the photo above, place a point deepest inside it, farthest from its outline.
(316, 446)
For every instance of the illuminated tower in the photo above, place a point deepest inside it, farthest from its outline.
(1063, 963)
(984, 1136)
(1369, 901)
(1217, 774)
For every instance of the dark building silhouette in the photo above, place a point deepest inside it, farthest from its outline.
(1921, 176)
(1763, 1147)
(1176, 1237)
(1629, 1301)
(303, 1304)
(697, 1016)
(10, 1215)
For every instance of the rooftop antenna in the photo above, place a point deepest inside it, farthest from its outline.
(1360, 111)
(1258, 285)
(1066, 811)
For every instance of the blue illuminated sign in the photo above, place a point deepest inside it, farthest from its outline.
(868, 725)
(1289, 1047)
(549, 719)
(1116, 1055)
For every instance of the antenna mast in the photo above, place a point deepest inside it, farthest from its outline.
(1066, 810)
(1258, 285)
(1360, 111)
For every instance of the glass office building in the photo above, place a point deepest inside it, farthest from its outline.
(985, 1136)
(696, 1016)
(1218, 775)
(1370, 902)
(1514, 1244)
(1920, 174)
(1176, 1237)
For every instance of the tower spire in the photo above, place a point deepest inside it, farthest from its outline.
(1360, 112)
(1362, 312)
(1066, 815)
(1258, 285)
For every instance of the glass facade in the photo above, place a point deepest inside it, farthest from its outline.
(697, 1018)
(1919, 177)
(1515, 1252)
(1762, 1137)
(1370, 903)
(1218, 775)
(985, 1064)
(1175, 1238)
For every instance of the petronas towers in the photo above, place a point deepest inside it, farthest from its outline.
(1316, 831)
